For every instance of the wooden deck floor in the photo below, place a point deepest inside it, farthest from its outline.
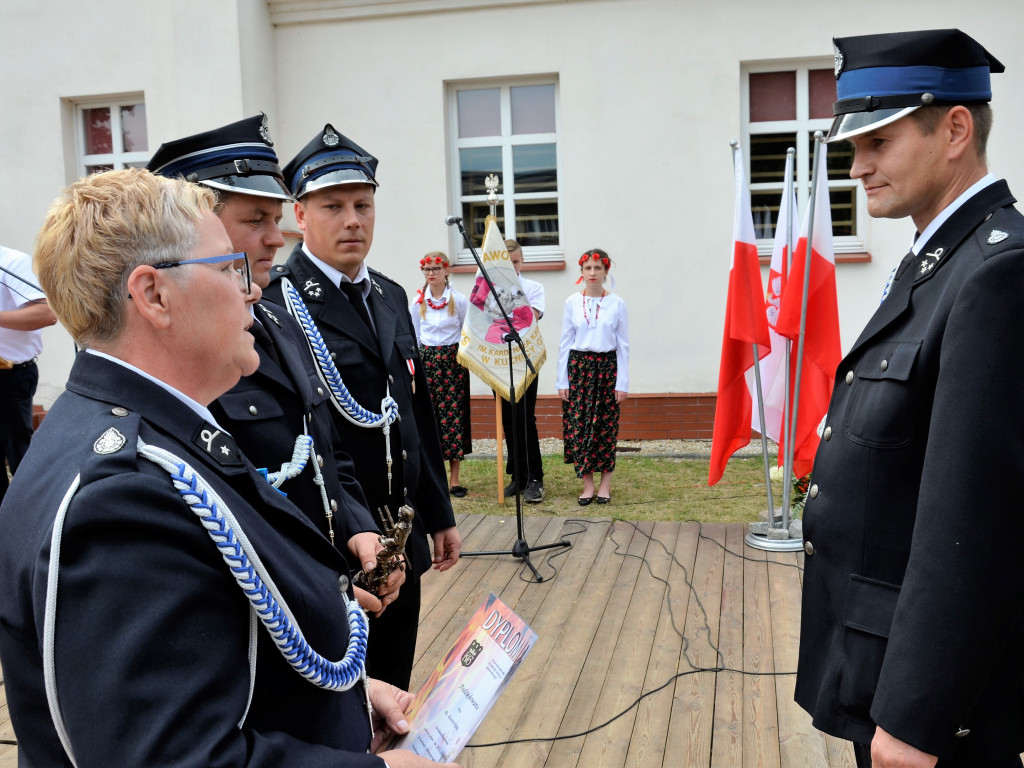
(636, 610)
(611, 629)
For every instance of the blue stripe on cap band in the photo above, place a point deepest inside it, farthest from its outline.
(962, 84)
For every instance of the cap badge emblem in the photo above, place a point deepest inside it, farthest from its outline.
(110, 441)
(265, 131)
(997, 236)
(331, 139)
(840, 60)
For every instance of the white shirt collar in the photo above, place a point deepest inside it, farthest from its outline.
(336, 276)
(200, 409)
(950, 209)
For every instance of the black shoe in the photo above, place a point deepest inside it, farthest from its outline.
(534, 493)
(511, 488)
(584, 500)
(603, 499)
(459, 492)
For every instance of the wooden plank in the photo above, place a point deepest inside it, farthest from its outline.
(693, 704)
(840, 753)
(760, 717)
(435, 585)
(801, 745)
(580, 715)
(552, 618)
(653, 714)
(727, 731)
(610, 745)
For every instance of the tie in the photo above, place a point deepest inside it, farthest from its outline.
(263, 340)
(354, 292)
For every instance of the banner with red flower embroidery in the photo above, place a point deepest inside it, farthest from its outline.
(483, 349)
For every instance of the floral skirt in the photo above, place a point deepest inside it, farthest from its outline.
(449, 392)
(590, 418)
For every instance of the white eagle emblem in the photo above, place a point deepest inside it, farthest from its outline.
(997, 236)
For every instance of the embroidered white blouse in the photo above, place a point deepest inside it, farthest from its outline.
(438, 328)
(594, 325)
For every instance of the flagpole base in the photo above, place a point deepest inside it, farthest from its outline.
(774, 545)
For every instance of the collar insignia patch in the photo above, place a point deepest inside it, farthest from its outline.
(110, 441)
(997, 236)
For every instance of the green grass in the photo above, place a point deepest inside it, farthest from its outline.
(643, 488)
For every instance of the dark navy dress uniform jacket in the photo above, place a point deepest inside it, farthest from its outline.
(367, 368)
(152, 632)
(913, 594)
(265, 412)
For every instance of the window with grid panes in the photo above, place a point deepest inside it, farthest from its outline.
(510, 130)
(111, 134)
(783, 106)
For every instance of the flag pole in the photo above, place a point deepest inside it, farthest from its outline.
(787, 464)
(808, 249)
(499, 448)
(760, 396)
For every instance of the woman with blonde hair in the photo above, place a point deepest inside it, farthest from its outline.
(438, 314)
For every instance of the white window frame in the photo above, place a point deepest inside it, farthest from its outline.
(118, 158)
(507, 141)
(804, 127)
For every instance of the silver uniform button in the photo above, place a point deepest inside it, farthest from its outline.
(808, 548)
(849, 377)
(334, 506)
(814, 491)
(343, 583)
(119, 411)
(885, 365)
(252, 410)
(828, 434)
(319, 460)
(391, 379)
(334, 355)
(320, 391)
(962, 732)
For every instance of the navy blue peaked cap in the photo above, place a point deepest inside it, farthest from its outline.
(238, 157)
(882, 78)
(328, 160)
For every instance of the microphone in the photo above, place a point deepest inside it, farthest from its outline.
(449, 220)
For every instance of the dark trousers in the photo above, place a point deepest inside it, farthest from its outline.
(530, 467)
(17, 388)
(863, 754)
(391, 647)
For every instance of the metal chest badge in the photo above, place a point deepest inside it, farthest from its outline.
(110, 441)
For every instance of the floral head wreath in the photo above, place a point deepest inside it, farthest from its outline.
(428, 260)
(596, 255)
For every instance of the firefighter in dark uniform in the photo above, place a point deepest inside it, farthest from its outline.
(364, 343)
(142, 552)
(283, 401)
(913, 593)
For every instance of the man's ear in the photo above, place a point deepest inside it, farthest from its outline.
(148, 291)
(300, 215)
(960, 124)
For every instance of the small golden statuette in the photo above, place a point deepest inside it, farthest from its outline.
(393, 555)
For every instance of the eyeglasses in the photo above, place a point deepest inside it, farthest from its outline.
(431, 270)
(244, 274)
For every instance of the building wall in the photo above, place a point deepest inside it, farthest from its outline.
(649, 98)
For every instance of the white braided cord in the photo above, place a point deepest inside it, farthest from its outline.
(302, 451)
(257, 585)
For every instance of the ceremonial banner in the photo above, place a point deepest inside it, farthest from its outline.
(463, 687)
(745, 325)
(773, 365)
(822, 351)
(482, 349)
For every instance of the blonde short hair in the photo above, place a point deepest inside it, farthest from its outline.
(513, 245)
(99, 230)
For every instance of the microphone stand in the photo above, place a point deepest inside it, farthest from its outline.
(520, 549)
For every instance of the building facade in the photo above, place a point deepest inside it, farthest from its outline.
(608, 123)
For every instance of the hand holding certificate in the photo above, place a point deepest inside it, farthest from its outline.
(463, 687)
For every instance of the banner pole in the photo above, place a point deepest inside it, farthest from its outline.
(499, 445)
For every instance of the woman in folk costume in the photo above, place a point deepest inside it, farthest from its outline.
(593, 376)
(438, 314)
